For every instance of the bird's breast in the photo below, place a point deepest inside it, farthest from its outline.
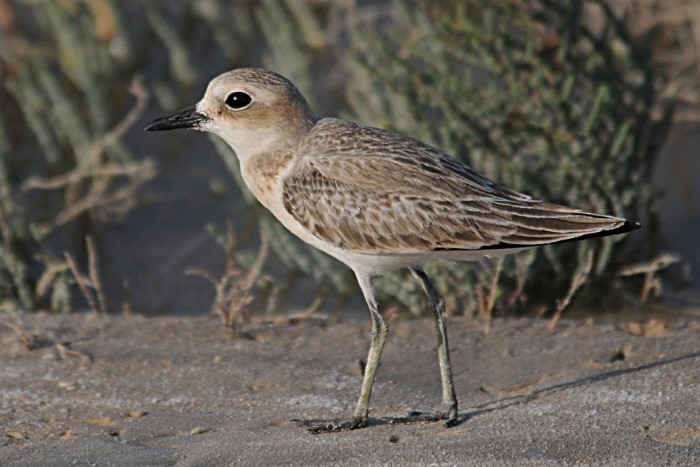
(262, 175)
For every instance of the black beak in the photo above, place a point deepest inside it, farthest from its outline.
(187, 118)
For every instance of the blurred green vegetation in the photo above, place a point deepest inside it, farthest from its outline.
(534, 94)
(543, 99)
(66, 169)
(552, 98)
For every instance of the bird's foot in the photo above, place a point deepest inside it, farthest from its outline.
(449, 418)
(316, 427)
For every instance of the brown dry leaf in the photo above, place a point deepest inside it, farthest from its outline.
(15, 434)
(100, 421)
(652, 328)
(67, 435)
(655, 328)
(631, 328)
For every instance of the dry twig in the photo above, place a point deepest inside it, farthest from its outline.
(66, 352)
(487, 301)
(652, 284)
(234, 287)
(95, 279)
(48, 277)
(99, 175)
(27, 340)
(310, 312)
(91, 287)
(579, 279)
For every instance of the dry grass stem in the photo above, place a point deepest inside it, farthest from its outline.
(312, 309)
(28, 340)
(66, 352)
(309, 313)
(91, 287)
(452, 291)
(138, 90)
(96, 281)
(652, 284)
(522, 261)
(273, 299)
(81, 281)
(5, 230)
(234, 287)
(99, 176)
(488, 300)
(48, 278)
(578, 280)
(652, 328)
(127, 307)
(107, 170)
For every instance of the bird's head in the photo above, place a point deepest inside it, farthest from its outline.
(253, 110)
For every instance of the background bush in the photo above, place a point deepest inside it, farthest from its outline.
(554, 98)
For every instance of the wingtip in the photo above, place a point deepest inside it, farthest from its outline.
(629, 226)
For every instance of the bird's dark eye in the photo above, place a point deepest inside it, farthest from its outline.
(238, 100)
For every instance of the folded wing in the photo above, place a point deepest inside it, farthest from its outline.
(380, 192)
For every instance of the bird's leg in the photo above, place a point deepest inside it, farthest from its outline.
(380, 330)
(436, 303)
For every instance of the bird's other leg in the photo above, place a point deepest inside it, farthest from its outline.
(380, 330)
(436, 303)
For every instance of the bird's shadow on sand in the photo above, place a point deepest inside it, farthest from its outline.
(508, 402)
(501, 404)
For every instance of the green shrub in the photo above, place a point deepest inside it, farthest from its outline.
(539, 97)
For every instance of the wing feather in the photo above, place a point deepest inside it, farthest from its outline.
(369, 190)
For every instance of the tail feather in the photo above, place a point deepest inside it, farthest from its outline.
(544, 223)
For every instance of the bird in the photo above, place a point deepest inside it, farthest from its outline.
(374, 199)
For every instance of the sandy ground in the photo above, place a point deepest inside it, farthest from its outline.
(130, 390)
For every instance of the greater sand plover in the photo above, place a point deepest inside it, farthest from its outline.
(374, 199)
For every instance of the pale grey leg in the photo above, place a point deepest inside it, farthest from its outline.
(380, 330)
(436, 303)
(379, 333)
